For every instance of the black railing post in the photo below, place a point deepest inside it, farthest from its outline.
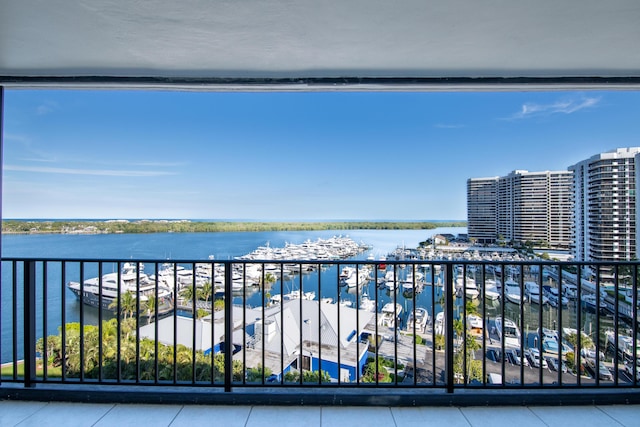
(228, 328)
(448, 313)
(29, 323)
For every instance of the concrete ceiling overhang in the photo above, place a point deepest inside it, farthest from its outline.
(333, 43)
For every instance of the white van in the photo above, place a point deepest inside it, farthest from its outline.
(494, 379)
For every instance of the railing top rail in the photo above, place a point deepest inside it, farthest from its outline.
(317, 261)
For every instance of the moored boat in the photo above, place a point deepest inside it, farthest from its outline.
(512, 292)
(418, 318)
(474, 322)
(104, 291)
(508, 332)
(390, 314)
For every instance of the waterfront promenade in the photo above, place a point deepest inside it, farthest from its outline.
(43, 414)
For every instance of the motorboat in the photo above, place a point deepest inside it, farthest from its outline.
(382, 265)
(346, 303)
(296, 294)
(534, 294)
(464, 282)
(104, 291)
(418, 317)
(439, 324)
(508, 332)
(512, 292)
(555, 298)
(367, 303)
(391, 280)
(390, 314)
(357, 276)
(475, 322)
(412, 281)
(470, 290)
(491, 290)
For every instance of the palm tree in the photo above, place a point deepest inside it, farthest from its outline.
(458, 328)
(206, 291)
(127, 304)
(186, 293)
(472, 308)
(270, 279)
(585, 341)
(150, 305)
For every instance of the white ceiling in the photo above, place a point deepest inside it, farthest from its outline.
(50, 41)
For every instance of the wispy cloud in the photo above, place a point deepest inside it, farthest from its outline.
(23, 139)
(93, 172)
(30, 148)
(448, 126)
(160, 164)
(47, 107)
(39, 160)
(565, 106)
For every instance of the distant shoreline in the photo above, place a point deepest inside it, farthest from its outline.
(185, 226)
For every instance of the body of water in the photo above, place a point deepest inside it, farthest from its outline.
(185, 246)
(224, 246)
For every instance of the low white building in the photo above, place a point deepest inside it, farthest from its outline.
(297, 335)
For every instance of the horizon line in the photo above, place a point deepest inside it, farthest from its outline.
(233, 219)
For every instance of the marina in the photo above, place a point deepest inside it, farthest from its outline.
(391, 304)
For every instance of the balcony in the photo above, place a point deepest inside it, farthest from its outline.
(293, 331)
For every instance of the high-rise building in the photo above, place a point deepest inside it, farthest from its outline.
(526, 207)
(605, 209)
(481, 209)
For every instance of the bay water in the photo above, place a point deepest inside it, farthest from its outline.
(184, 246)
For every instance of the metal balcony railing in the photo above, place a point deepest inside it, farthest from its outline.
(405, 324)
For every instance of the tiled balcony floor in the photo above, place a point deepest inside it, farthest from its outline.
(41, 414)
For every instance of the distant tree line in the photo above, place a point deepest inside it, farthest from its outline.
(145, 226)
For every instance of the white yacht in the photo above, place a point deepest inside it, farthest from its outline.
(491, 291)
(390, 314)
(103, 291)
(511, 332)
(419, 319)
(391, 280)
(296, 294)
(412, 281)
(534, 294)
(475, 322)
(467, 287)
(512, 292)
(439, 324)
(356, 277)
(367, 303)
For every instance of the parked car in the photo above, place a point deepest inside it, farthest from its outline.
(534, 358)
(494, 379)
(523, 359)
(590, 354)
(514, 358)
(604, 373)
(493, 355)
(554, 364)
(628, 368)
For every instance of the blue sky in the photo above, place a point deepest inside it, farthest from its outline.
(289, 156)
